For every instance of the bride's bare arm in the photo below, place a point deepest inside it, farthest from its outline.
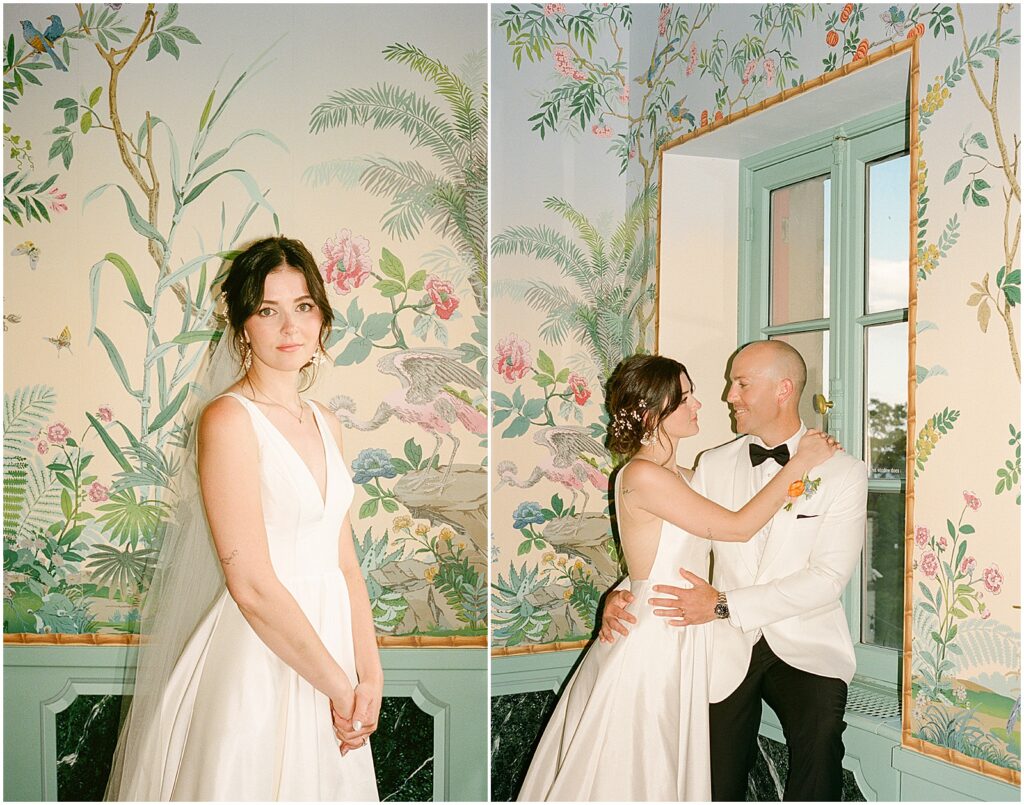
(370, 689)
(661, 492)
(229, 479)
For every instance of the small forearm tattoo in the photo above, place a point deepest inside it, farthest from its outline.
(626, 490)
(226, 560)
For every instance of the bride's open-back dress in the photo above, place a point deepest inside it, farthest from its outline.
(632, 723)
(237, 722)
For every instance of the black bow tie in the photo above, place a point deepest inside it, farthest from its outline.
(758, 454)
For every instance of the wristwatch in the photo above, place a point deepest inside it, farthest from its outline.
(722, 607)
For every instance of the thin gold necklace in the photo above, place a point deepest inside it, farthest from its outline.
(272, 401)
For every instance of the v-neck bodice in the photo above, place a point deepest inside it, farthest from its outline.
(302, 526)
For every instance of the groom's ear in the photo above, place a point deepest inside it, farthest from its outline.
(786, 390)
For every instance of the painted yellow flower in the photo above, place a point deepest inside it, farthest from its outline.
(549, 558)
(567, 594)
(562, 561)
(422, 529)
(578, 565)
(402, 522)
(430, 573)
(446, 534)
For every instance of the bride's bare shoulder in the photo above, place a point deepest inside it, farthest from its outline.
(224, 418)
(640, 473)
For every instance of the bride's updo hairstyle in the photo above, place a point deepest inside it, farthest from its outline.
(243, 286)
(641, 392)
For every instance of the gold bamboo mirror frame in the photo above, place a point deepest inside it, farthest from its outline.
(698, 280)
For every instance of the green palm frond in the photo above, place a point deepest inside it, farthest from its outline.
(128, 520)
(544, 243)
(120, 570)
(453, 89)
(412, 189)
(385, 107)
(643, 208)
(31, 497)
(588, 234)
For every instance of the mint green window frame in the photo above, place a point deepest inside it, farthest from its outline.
(843, 153)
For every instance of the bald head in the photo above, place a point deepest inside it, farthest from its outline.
(782, 361)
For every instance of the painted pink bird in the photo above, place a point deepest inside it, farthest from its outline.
(565, 466)
(429, 398)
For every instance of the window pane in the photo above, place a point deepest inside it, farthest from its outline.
(799, 251)
(886, 392)
(888, 234)
(882, 599)
(814, 349)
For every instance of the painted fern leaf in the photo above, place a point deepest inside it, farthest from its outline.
(40, 507)
(25, 411)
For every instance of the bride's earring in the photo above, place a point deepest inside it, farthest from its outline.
(246, 351)
(319, 357)
(647, 439)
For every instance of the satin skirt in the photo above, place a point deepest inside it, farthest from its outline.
(632, 724)
(238, 723)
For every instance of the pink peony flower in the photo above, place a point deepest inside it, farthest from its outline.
(58, 433)
(769, 70)
(580, 389)
(105, 414)
(42, 447)
(691, 65)
(748, 70)
(56, 203)
(993, 579)
(930, 564)
(445, 302)
(553, 8)
(98, 492)
(666, 9)
(968, 565)
(348, 262)
(921, 536)
(972, 500)
(512, 360)
(942, 543)
(604, 132)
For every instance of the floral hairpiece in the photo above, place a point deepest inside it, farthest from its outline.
(629, 419)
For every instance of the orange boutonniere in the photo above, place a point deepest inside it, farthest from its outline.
(804, 488)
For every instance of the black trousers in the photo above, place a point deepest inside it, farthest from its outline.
(810, 708)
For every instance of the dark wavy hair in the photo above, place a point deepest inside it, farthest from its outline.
(641, 392)
(243, 286)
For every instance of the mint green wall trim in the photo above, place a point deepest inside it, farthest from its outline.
(523, 673)
(41, 681)
(927, 779)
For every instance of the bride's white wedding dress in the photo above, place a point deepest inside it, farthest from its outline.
(632, 723)
(237, 722)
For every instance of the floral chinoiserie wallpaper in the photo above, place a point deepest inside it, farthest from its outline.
(122, 200)
(585, 95)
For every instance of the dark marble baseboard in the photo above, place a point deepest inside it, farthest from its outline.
(403, 749)
(517, 720)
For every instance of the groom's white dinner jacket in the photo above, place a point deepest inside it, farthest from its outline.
(792, 595)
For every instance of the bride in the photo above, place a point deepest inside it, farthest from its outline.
(259, 677)
(632, 723)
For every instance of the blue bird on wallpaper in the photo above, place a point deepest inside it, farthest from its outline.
(38, 43)
(56, 29)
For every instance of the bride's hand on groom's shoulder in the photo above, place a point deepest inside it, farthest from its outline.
(614, 613)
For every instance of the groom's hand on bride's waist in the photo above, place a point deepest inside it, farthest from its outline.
(614, 616)
(685, 606)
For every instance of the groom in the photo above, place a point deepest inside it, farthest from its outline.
(780, 634)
